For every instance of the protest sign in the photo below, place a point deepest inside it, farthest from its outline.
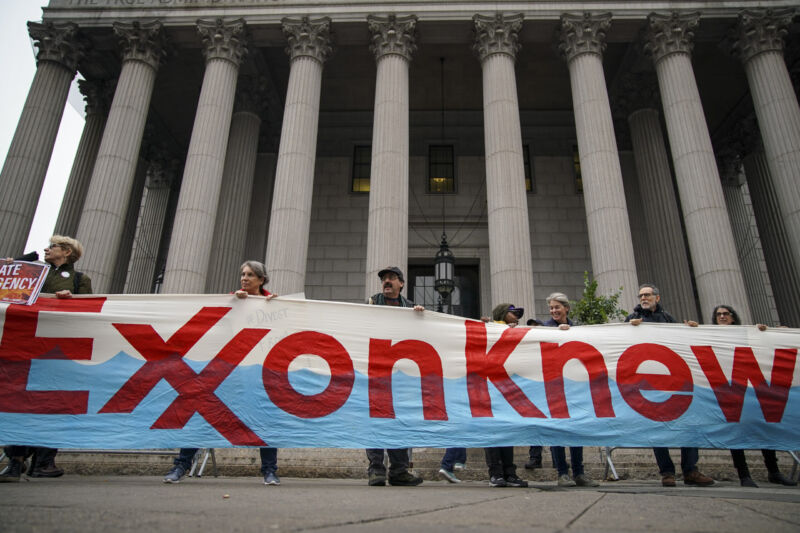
(21, 281)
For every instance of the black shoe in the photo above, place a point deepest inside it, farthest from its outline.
(780, 479)
(12, 473)
(406, 479)
(50, 470)
(514, 481)
(533, 464)
(376, 479)
(747, 481)
(497, 482)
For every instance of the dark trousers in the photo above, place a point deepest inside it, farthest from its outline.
(739, 461)
(41, 456)
(453, 456)
(501, 462)
(535, 453)
(560, 459)
(269, 459)
(689, 457)
(398, 461)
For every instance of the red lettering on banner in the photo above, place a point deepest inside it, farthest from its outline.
(383, 356)
(554, 357)
(164, 360)
(631, 382)
(20, 346)
(730, 395)
(483, 366)
(275, 374)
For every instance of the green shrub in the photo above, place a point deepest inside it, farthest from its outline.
(593, 308)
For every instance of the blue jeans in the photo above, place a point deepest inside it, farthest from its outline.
(269, 459)
(453, 456)
(560, 459)
(689, 457)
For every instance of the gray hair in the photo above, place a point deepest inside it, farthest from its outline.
(649, 286)
(560, 297)
(258, 269)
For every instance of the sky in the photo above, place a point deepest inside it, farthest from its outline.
(18, 63)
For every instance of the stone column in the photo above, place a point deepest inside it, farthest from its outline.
(131, 219)
(101, 224)
(759, 44)
(228, 244)
(161, 173)
(708, 230)
(25, 168)
(97, 95)
(387, 229)
(668, 258)
(613, 265)
(195, 216)
(287, 245)
(260, 202)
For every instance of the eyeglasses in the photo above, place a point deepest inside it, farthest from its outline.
(51, 246)
(723, 313)
(646, 295)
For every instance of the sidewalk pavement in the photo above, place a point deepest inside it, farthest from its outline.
(133, 503)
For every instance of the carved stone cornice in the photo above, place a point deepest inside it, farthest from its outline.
(670, 34)
(141, 41)
(497, 35)
(223, 39)
(250, 95)
(57, 42)
(583, 34)
(759, 31)
(635, 91)
(307, 37)
(393, 35)
(97, 94)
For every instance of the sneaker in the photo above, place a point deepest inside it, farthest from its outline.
(747, 481)
(514, 481)
(449, 476)
(175, 475)
(459, 466)
(565, 481)
(406, 479)
(668, 480)
(271, 479)
(497, 482)
(533, 464)
(697, 479)
(780, 479)
(12, 472)
(50, 470)
(582, 480)
(377, 479)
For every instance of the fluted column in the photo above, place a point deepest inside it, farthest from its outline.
(161, 173)
(759, 44)
(228, 244)
(260, 203)
(668, 258)
(25, 168)
(195, 216)
(708, 230)
(130, 221)
(287, 245)
(101, 225)
(496, 45)
(387, 237)
(97, 96)
(613, 264)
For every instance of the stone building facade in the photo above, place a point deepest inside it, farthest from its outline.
(333, 138)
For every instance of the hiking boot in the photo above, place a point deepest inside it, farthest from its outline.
(780, 479)
(448, 475)
(565, 481)
(582, 480)
(697, 479)
(13, 471)
(533, 464)
(50, 470)
(497, 482)
(405, 479)
(271, 479)
(514, 481)
(377, 479)
(747, 481)
(175, 475)
(668, 480)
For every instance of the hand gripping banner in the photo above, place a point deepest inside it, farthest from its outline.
(163, 371)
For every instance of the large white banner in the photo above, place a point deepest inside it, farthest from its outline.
(151, 371)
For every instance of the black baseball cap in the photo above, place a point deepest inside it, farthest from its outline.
(396, 270)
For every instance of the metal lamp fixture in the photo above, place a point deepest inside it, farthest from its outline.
(444, 262)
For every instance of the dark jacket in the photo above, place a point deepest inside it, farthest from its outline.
(380, 299)
(553, 324)
(63, 277)
(659, 315)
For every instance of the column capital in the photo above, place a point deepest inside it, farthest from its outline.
(223, 39)
(162, 170)
(141, 41)
(393, 35)
(635, 91)
(583, 34)
(308, 37)
(497, 35)
(97, 94)
(760, 30)
(670, 33)
(57, 42)
(250, 95)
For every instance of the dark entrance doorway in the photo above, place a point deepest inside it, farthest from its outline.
(465, 300)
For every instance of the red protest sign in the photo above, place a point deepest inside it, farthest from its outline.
(21, 281)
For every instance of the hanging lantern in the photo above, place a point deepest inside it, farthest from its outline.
(443, 266)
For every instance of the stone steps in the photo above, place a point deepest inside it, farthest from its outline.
(631, 463)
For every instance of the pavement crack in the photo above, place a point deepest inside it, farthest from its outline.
(577, 517)
(758, 511)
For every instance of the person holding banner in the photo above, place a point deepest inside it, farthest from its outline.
(558, 304)
(63, 281)
(253, 277)
(392, 283)
(650, 310)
